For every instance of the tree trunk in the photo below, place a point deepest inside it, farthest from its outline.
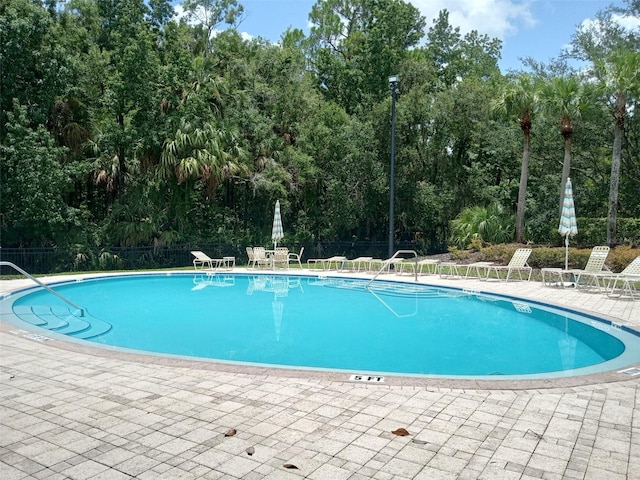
(566, 169)
(122, 164)
(615, 169)
(522, 192)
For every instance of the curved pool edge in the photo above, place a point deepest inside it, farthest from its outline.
(51, 339)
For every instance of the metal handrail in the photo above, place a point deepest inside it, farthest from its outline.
(46, 287)
(387, 262)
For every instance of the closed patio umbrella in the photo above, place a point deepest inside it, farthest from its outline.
(568, 226)
(276, 231)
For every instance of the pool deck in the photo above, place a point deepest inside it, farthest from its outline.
(69, 411)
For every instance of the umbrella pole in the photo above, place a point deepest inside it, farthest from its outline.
(566, 252)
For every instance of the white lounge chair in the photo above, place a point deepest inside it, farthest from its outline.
(593, 268)
(624, 282)
(296, 257)
(336, 262)
(251, 260)
(430, 265)
(518, 263)
(201, 259)
(379, 265)
(360, 263)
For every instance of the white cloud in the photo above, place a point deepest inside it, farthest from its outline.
(495, 18)
(628, 22)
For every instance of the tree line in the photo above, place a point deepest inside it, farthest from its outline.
(123, 125)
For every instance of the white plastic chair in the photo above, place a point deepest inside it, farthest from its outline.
(296, 257)
(518, 263)
(594, 267)
(251, 262)
(625, 281)
(280, 257)
(260, 257)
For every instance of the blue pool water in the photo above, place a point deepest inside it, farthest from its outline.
(326, 323)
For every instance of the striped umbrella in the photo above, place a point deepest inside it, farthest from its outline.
(568, 226)
(276, 231)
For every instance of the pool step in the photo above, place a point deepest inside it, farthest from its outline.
(62, 320)
(98, 327)
(25, 313)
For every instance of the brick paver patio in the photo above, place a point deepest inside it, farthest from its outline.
(69, 411)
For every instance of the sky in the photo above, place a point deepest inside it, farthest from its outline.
(528, 28)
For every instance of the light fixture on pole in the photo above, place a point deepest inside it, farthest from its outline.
(393, 85)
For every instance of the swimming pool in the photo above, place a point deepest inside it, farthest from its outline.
(332, 323)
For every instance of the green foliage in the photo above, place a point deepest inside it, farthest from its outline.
(33, 67)
(554, 257)
(32, 186)
(108, 261)
(355, 45)
(593, 231)
(135, 128)
(551, 257)
(500, 254)
(620, 257)
(479, 225)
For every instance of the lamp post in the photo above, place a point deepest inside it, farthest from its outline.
(393, 85)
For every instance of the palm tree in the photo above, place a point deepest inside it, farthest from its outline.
(491, 224)
(520, 98)
(565, 95)
(206, 153)
(621, 77)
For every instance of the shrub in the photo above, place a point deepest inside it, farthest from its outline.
(475, 225)
(620, 257)
(542, 257)
(547, 257)
(499, 253)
